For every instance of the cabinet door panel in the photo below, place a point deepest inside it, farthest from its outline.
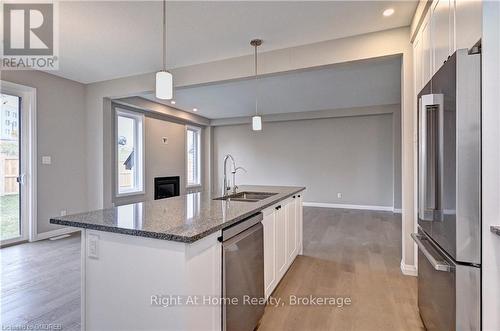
(269, 253)
(426, 51)
(301, 220)
(291, 230)
(440, 33)
(280, 242)
(468, 16)
(417, 62)
(298, 215)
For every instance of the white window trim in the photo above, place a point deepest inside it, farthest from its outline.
(200, 175)
(29, 164)
(139, 132)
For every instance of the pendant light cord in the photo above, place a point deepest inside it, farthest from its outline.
(256, 83)
(164, 53)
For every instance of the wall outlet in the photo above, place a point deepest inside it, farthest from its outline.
(64, 212)
(46, 160)
(339, 195)
(93, 246)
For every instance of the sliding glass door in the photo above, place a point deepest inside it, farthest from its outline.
(11, 227)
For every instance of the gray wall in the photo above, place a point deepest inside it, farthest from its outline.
(351, 155)
(160, 159)
(164, 159)
(61, 134)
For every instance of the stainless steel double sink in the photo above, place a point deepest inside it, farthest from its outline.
(247, 196)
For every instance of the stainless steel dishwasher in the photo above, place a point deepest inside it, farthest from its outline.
(243, 274)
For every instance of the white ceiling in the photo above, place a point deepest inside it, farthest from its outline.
(355, 84)
(105, 40)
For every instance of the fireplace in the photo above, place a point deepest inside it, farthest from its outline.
(166, 187)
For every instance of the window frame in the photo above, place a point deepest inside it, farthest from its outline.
(139, 133)
(198, 130)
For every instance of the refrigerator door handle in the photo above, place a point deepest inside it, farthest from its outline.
(430, 103)
(438, 265)
(422, 159)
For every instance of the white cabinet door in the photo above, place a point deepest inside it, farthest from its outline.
(417, 62)
(440, 32)
(426, 61)
(299, 217)
(280, 241)
(468, 18)
(291, 244)
(269, 251)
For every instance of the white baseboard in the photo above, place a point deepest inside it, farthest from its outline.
(408, 269)
(346, 206)
(55, 233)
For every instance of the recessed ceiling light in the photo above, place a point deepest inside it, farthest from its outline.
(172, 102)
(388, 12)
(195, 109)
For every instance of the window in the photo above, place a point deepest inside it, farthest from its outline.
(193, 156)
(129, 144)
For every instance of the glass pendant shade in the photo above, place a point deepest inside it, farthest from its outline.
(164, 85)
(257, 123)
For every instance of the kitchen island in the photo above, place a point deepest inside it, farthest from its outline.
(158, 264)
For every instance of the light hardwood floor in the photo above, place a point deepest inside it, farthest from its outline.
(40, 284)
(347, 253)
(354, 254)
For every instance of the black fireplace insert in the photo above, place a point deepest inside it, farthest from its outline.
(166, 187)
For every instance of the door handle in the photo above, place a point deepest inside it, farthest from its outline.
(20, 179)
(437, 265)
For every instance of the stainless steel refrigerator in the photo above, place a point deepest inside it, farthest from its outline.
(449, 196)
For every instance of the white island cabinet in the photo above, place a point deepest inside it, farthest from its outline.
(138, 283)
(282, 239)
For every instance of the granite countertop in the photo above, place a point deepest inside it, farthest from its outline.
(185, 218)
(495, 229)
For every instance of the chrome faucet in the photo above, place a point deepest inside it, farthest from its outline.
(225, 185)
(235, 187)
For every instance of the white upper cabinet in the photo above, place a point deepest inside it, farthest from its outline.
(426, 51)
(440, 33)
(422, 59)
(468, 23)
(417, 62)
(448, 25)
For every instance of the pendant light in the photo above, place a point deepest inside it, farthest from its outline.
(164, 79)
(257, 119)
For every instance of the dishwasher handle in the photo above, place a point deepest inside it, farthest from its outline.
(239, 227)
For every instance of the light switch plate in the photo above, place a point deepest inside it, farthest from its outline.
(46, 160)
(93, 246)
